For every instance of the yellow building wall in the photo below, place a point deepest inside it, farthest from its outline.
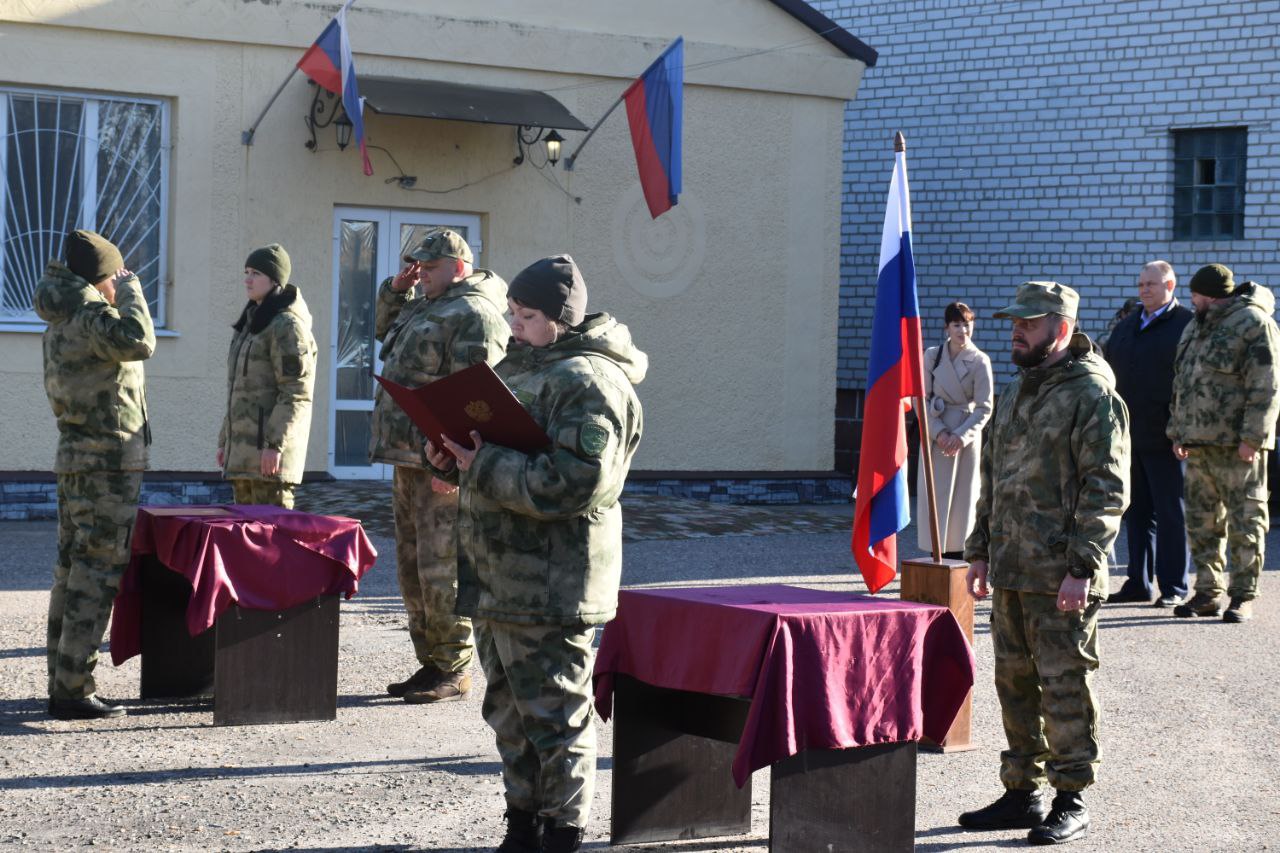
(733, 293)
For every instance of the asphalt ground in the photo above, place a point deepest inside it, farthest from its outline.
(1190, 726)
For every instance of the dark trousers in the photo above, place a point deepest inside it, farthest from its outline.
(1155, 525)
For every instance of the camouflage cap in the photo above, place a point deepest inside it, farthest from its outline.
(1038, 298)
(440, 243)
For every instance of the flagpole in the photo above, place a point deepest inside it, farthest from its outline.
(246, 138)
(922, 418)
(569, 161)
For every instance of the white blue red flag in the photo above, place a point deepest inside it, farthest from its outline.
(328, 62)
(655, 111)
(895, 373)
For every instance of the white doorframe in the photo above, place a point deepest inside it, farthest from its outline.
(390, 225)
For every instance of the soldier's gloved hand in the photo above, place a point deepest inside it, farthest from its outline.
(975, 580)
(270, 462)
(406, 278)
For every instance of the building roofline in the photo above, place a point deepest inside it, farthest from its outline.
(845, 41)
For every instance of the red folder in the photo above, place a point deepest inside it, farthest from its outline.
(471, 399)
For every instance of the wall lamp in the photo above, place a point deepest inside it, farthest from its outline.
(527, 136)
(327, 110)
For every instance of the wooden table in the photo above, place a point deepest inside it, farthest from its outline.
(241, 601)
(831, 691)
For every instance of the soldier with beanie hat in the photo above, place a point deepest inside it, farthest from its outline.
(98, 333)
(1226, 396)
(535, 607)
(271, 372)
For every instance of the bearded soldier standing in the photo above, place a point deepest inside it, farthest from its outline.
(99, 331)
(1054, 488)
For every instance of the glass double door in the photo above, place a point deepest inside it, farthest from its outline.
(368, 245)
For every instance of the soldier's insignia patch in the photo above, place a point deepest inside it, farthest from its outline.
(291, 365)
(593, 439)
(479, 411)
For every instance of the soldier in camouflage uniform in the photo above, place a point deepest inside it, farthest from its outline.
(457, 322)
(1053, 491)
(271, 370)
(99, 331)
(1223, 421)
(540, 547)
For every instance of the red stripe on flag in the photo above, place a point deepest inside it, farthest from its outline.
(653, 178)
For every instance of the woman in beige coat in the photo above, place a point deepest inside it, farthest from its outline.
(958, 395)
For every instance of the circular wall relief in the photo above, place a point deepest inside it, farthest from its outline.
(658, 257)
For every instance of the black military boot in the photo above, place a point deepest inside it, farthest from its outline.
(1014, 810)
(422, 676)
(1068, 820)
(524, 832)
(561, 839)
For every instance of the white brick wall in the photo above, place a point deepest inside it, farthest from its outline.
(1039, 146)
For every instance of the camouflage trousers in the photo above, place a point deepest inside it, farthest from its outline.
(96, 513)
(1226, 501)
(538, 704)
(263, 492)
(427, 567)
(1044, 664)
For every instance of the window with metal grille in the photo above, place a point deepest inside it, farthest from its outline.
(1208, 183)
(72, 161)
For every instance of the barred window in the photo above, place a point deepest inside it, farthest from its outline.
(1208, 183)
(72, 161)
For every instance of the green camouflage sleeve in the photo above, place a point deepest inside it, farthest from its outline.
(388, 308)
(977, 546)
(480, 336)
(1101, 449)
(294, 364)
(1261, 384)
(583, 468)
(123, 332)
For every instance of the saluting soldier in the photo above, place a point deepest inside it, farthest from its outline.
(98, 334)
(455, 322)
(540, 547)
(271, 372)
(1054, 487)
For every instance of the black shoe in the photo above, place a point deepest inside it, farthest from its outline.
(1129, 596)
(1167, 601)
(422, 676)
(524, 832)
(88, 708)
(1014, 810)
(561, 839)
(1067, 821)
(1200, 604)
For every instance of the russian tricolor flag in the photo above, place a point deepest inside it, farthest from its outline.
(328, 62)
(895, 374)
(655, 111)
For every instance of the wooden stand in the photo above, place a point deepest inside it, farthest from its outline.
(942, 582)
(672, 779)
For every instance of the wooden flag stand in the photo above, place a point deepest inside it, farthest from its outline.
(939, 581)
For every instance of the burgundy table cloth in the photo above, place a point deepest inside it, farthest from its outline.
(259, 557)
(823, 670)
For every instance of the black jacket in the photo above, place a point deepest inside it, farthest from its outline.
(1142, 360)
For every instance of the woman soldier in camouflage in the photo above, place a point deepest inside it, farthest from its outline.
(540, 546)
(271, 369)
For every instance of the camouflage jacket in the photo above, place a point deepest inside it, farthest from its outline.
(93, 354)
(271, 371)
(427, 339)
(1225, 384)
(1055, 476)
(540, 535)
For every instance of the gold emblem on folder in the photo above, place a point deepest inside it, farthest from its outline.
(479, 411)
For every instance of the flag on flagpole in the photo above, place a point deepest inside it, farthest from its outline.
(328, 62)
(895, 373)
(655, 111)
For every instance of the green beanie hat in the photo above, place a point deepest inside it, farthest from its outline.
(272, 261)
(92, 256)
(1213, 280)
